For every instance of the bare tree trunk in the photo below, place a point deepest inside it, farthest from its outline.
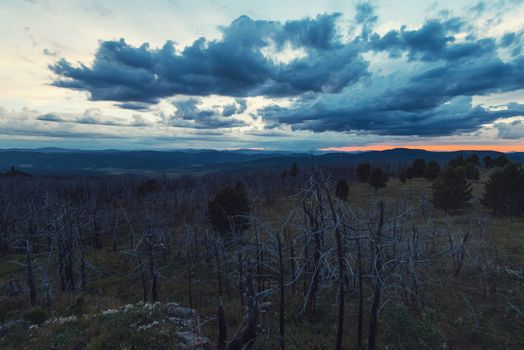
(153, 273)
(245, 337)
(114, 235)
(281, 316)
(292, 266)
(144, 281)
(259, 263)
(240, 277)
(83, 277)
(190, 280)
(377, 284)
(219, 268)
(360, 297)
(341, 272)
(30, 274)
(69, 275)
(222, 327)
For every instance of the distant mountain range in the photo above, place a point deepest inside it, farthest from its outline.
(74, 161)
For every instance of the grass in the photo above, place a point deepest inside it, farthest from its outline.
(471, 311)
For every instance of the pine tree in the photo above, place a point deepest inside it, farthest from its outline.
(451, 191)
(228, 211)
(505, 190)
(293, 171)
(363, 172)
(432, 170)
(471, 172)
(501, 161)
(378, 178)
(488, 162)
(419, 167)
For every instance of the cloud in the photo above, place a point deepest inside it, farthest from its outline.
(134, 106)
(238, 107)
(435, 40)
(189, 115)
(92, 116)
(29, 123)
(382, 114)
(366, 16)
(428, 94)
(234, 65)
(268, 133)
(49, 53)
(510, 130)
(138, 120)
(50, 117)
(406, 81)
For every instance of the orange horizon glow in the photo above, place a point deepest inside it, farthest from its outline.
(441, 148)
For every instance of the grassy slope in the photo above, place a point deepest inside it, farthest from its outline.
(469, 317)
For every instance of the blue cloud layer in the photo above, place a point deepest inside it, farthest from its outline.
(235, 65)
(333, 85)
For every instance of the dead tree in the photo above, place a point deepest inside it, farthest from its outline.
(376, 242)
(245, 336)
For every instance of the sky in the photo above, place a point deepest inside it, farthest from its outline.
(280, 75)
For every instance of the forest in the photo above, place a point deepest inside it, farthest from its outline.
(370, 255)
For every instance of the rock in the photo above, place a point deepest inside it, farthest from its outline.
(190, 340)
(7, 326)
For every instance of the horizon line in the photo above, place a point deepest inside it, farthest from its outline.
(367, 148)
(430, 148)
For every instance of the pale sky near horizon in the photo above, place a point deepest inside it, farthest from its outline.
(286, 75)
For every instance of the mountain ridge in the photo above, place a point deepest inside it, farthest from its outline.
(65, 161)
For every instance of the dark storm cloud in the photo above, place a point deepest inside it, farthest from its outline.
(430, 96)
(333, 90)
(513, 41)
(189, 115)
(458, 115)
(238, 107)
(435, 40)
(234, 65)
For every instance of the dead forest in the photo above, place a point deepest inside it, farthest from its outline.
(303, 258)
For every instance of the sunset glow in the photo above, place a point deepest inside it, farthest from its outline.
(441, 148)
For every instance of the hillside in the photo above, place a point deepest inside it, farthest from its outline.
(63, 161)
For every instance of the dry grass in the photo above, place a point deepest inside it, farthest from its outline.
(475, 310)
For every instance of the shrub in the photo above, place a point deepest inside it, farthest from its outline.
(342, 190)
(451, 190)
(406, 331)
(148, 186)
(432, 170)
(35, 316)
(378, 178)
(293, 171)
(403, 176)
(418, 167)
(363, 172)
(505, 190)
(78, 307)
(409, 173)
